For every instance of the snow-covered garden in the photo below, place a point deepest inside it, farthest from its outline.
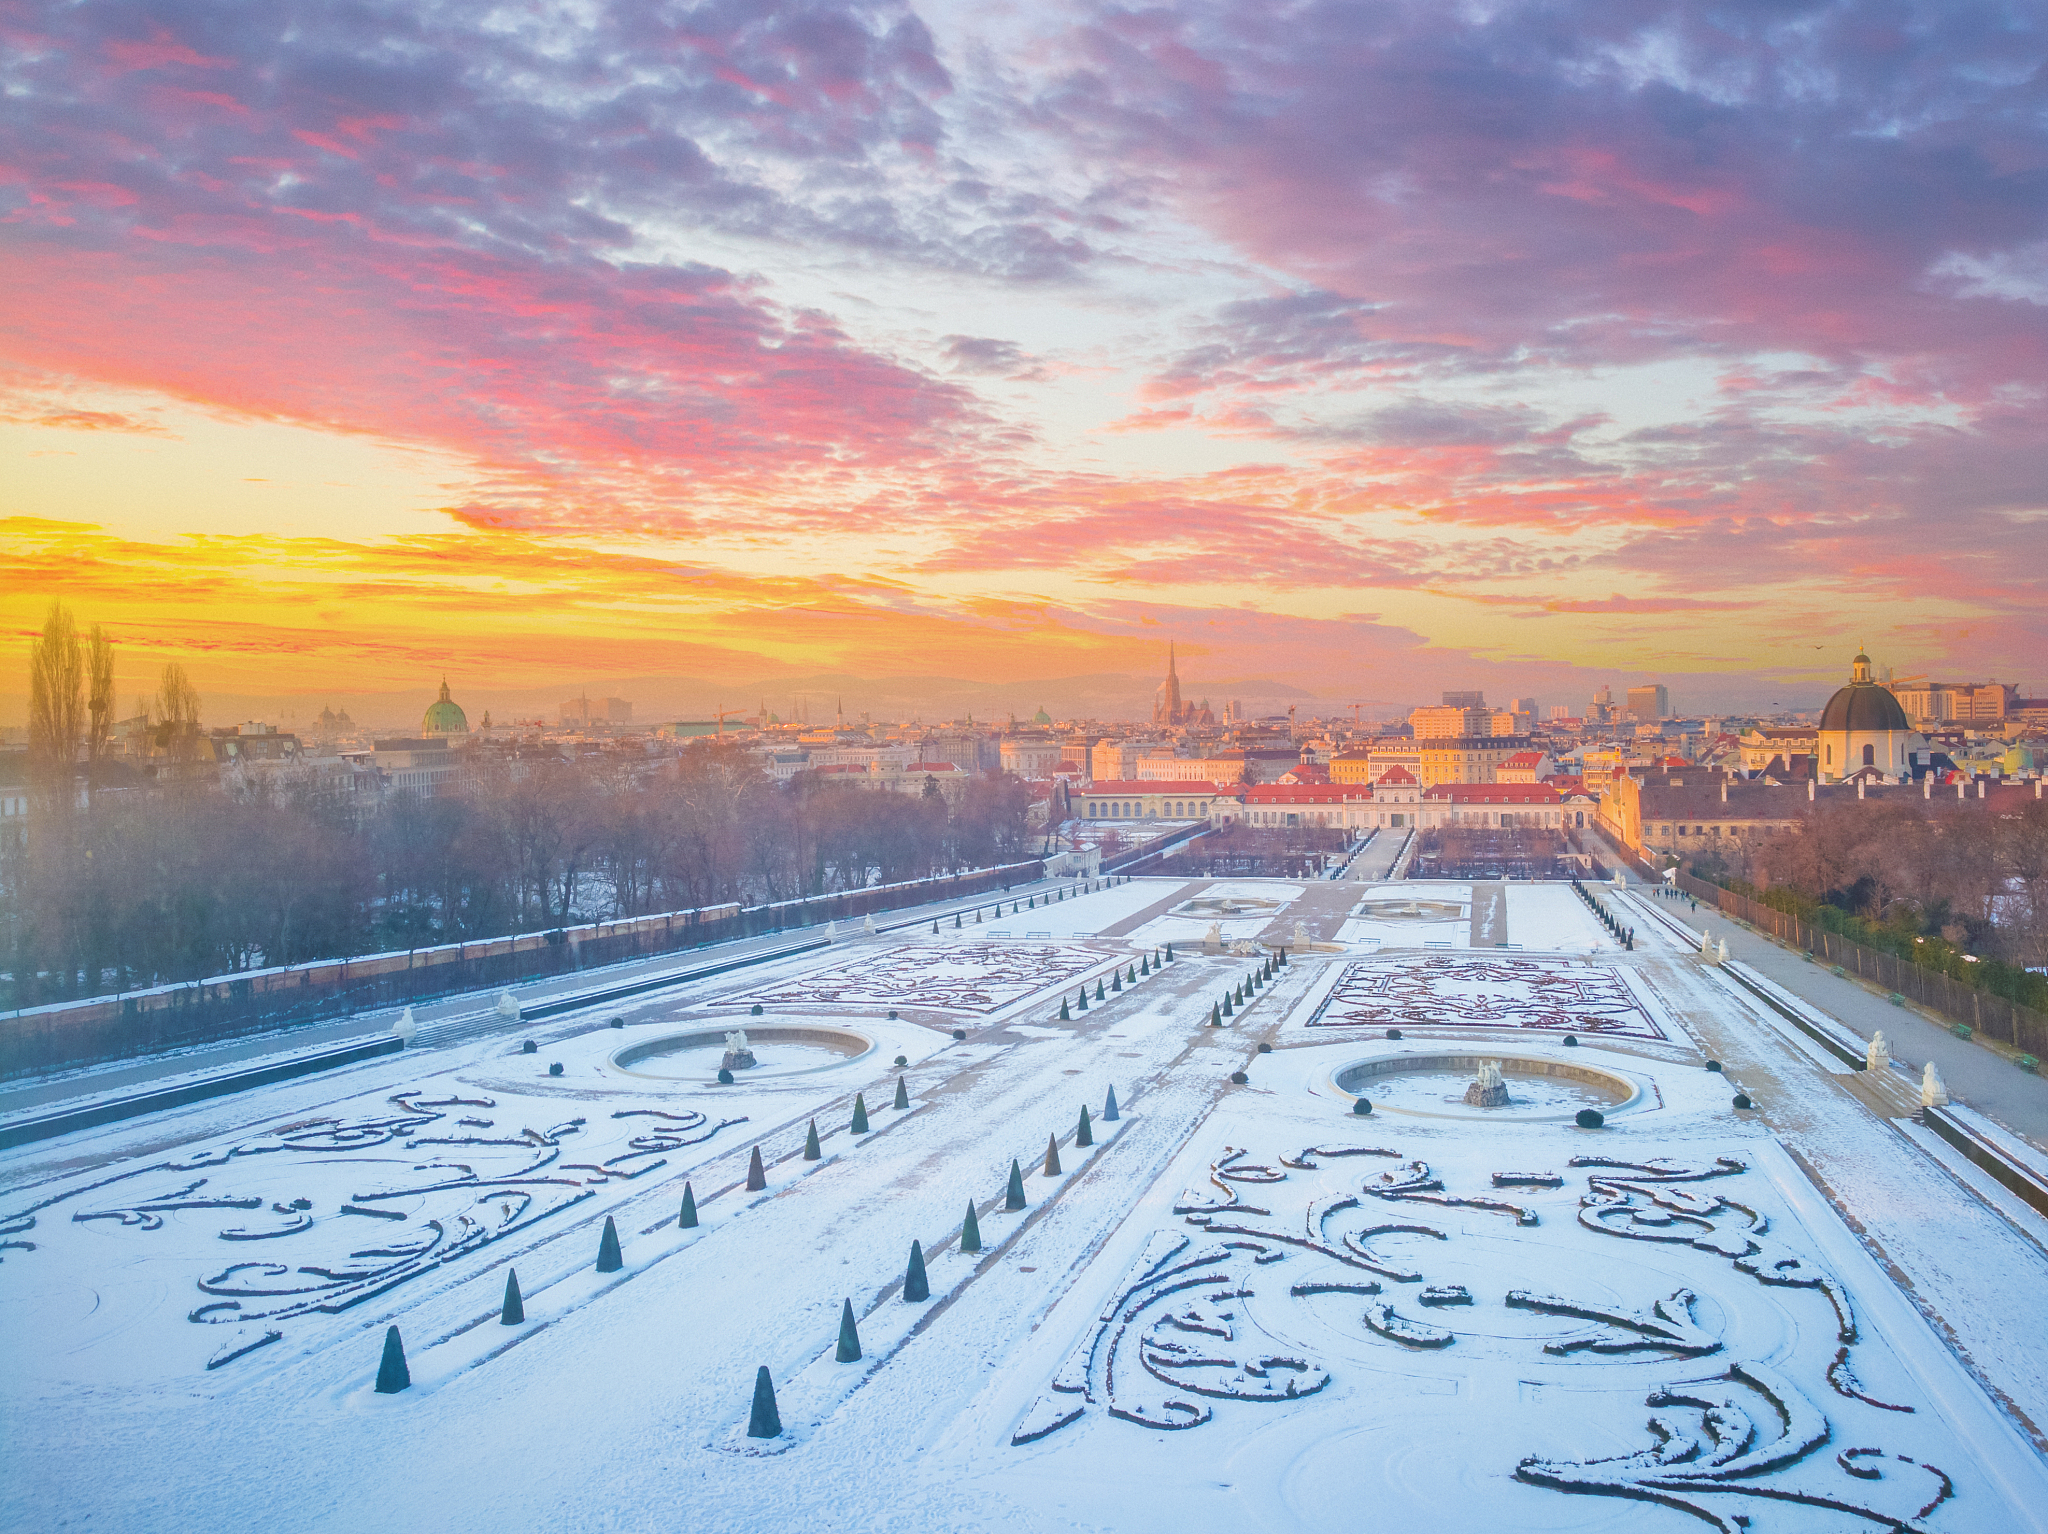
(1007, 1262)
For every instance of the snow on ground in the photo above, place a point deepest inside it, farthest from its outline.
(1241, 1306)
(1552, 917)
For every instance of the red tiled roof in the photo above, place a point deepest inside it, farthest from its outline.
(1495, 793)
(1296, 793)
(1523, 759)
(1135, 788)
(1399, 776)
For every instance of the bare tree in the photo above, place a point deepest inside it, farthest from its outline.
(56, 704)
(99, 701)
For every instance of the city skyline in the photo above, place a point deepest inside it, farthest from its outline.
(1417, 348)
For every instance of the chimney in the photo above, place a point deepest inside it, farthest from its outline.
(1859, 788)
(1724, 790)
(1927, 786)
(1809, 790)
(1980, 788)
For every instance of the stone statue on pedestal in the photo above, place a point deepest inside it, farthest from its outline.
(738, 1057)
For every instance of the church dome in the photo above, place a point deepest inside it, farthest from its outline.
(1864, 705)
(444, 716)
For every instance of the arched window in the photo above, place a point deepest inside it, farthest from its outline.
(1870, 756)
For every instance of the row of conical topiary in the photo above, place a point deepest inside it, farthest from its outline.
(1147, 965)
(1240, 995)
(393, 1374)
(765, 1419)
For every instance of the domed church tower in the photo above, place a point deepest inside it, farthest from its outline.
(445, 716)
(1864, 727)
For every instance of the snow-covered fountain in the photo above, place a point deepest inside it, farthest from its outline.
(1489, 1086)
(776, 1050)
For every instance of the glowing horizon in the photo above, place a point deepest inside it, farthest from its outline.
(1371, 351)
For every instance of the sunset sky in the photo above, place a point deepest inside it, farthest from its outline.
(1366, 348)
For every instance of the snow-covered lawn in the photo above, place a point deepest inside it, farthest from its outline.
(1241, 1306)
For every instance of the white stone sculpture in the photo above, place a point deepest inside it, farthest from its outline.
(1213, 938)
(1487, 1089)
(508, 1006)
(738, 1057)
(1301, 937)
(1878, 1054)
(405, 1029)
(1723, 951)
(831, 931)
(868, 926)
(1933, 1090)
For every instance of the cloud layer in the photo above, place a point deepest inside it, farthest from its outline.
(1544, 333)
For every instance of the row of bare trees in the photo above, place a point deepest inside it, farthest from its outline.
(190, 875)
(1976, 879)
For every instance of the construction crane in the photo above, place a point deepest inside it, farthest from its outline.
(721, 719)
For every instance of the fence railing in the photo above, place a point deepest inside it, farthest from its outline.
(1984, 1012)
(227, 1006)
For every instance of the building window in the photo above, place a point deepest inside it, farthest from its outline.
(1870, 756)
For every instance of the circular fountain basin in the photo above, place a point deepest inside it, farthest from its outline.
(778, 1051)
(1433, 1086)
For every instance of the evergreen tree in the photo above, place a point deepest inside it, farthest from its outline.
(812, 1150)
(1085, 1135)
(1052, 1156)
(915, 1286)
(860, 1114)
(609, 1258)
(687, 1220)
(1014, 1198)
(515, 1307)
(970, 1231)
(392, 1374)
(757, 1175)
(764, 1421)
(849, 1336)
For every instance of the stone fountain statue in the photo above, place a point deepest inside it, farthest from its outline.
(1301, 937)
(738, 1057)
(1877, 1054)
(1213, 938)
(1487, 1089)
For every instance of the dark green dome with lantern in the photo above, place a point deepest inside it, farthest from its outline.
(1864, 705)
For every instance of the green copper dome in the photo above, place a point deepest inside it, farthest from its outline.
(444, 716)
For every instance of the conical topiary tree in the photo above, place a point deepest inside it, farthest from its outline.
(757, 1175)
(970, 1231)
(515, 1306)
(902, 1094)
(916, 1288)
(1133, 977)
(1084, 998)
(1109, 1108)
(1215, 1016)
(1144, 964)
(1116, 981)
(860, 1114)
(1169, 953)
(956, 921)
(1014, 1197)
(1052, 1156)
(1085, 1135)
(764, 1421)
(687, 1220)
(849, 1336)
(1065, 1015)
(1226, 1004)
(609, 1258)
(813, 1151)
(1100, 995)
(392, 1374)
